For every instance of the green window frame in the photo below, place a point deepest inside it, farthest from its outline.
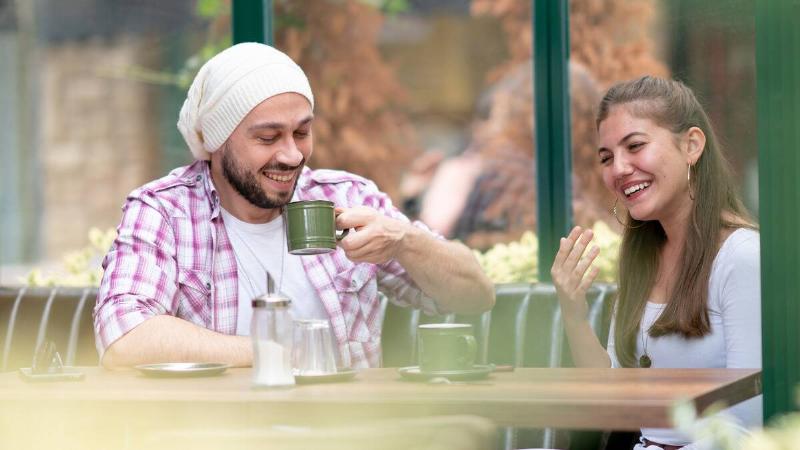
(778, 106)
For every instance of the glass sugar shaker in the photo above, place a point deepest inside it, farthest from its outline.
(271, 331)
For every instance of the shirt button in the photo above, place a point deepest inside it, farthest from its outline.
(198, 178)
(208, 285)
(353, 283)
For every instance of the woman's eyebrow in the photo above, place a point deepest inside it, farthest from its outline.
(621, 141)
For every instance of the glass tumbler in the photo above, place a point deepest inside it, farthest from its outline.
(313, 352)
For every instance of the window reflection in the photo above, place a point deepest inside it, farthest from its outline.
(430, 99)
(91, 91)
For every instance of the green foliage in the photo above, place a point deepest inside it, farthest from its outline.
(715, 429)
(213, 11)
(517, 261)
(210, 9)
(782, 434)
(720, 432)
(392, 7)
(389, 7)
(289, 20)
(512, 262)
(80, 268)
(215, 41)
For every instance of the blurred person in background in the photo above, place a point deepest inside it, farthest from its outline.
(689, 278)
(487, 194)
(194, 247)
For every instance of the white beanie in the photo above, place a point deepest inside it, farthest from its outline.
(229, 86)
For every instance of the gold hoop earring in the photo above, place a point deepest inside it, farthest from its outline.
(689, 181)
(614, 211)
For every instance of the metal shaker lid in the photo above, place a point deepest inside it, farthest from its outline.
(274, 301)
(271, 299)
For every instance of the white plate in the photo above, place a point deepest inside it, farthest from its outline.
(339, 376)
(182, 369)
(477, 372)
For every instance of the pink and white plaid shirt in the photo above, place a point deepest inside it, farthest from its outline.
(172, 256)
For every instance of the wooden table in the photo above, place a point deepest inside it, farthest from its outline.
(121, 401)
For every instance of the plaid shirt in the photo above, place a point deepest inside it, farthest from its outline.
(173, 256)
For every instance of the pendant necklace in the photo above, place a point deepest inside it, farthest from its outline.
(645, 361)
(254, 292)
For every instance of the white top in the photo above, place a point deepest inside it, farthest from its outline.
(734, 309)
(261, 247)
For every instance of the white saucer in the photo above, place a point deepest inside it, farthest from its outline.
(341, 375)
(477, 372)
(176, 370)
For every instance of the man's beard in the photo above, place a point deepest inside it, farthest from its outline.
(246, 183)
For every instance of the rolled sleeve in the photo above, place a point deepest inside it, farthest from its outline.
(394, 280)
(139, 280)
(392, 277)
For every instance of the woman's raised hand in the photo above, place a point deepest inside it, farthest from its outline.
(573, 273)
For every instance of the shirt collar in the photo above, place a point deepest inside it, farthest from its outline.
(211, 190)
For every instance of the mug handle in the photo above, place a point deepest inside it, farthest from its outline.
(472, 347)
(344, 232)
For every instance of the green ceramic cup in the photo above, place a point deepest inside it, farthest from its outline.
(311, 227)
(446, 347)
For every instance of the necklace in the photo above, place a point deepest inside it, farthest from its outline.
(645, 361)
(269, 284)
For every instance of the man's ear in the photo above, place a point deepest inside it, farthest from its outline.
(695, 144)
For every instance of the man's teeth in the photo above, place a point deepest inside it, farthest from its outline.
(281, 178)
(636, 188)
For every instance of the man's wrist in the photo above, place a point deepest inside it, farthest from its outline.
(409, 244)
(244, 357)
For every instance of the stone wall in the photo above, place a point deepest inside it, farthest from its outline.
(98, 137)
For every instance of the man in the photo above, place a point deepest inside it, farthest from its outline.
(193, 247)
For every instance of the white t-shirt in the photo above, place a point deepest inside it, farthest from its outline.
(261, 247)
(734, 311)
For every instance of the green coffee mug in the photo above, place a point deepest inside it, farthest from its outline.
(446, 347)
(311, 227)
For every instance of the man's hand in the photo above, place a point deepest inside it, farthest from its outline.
(446, 271)
(377, 238)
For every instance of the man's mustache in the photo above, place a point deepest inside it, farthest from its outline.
(282, 167)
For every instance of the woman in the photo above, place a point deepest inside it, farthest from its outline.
(689, 284)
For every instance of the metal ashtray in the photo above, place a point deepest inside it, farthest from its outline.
(47, 366)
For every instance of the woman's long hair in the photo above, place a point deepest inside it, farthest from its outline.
(672, 105)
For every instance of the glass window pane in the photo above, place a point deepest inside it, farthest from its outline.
(431, 100)
(91, 91)
(396, 91)
(708, 46)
